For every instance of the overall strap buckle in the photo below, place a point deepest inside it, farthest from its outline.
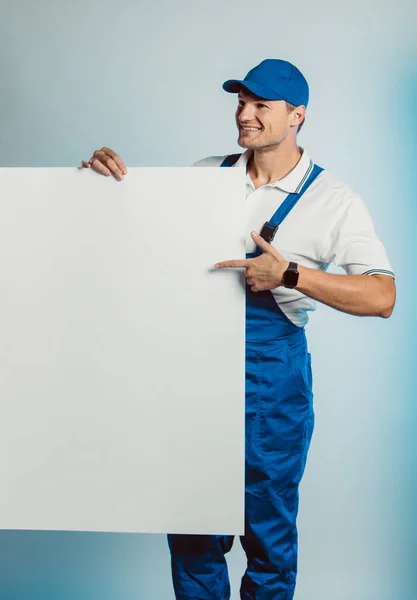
(268, 231)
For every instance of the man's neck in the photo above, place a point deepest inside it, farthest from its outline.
(272, 164)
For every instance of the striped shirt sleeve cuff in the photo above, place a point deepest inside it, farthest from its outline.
(382, 271)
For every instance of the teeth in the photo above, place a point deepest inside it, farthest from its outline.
(251, 128)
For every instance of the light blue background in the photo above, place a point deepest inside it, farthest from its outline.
(146, 80)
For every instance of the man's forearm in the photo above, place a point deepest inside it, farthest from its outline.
(362, 295)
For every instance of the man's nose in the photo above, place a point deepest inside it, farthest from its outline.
(246, 113)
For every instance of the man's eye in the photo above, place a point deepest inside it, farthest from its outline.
(262, 106)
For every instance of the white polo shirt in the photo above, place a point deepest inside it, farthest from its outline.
(329, 224)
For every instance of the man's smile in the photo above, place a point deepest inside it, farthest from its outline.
(247, 128)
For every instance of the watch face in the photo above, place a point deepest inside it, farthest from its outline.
(290, 278)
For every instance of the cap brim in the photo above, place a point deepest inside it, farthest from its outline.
(233, 86)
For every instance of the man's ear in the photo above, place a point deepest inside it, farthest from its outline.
(297, 116)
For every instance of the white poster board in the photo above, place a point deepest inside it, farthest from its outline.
(121, 351)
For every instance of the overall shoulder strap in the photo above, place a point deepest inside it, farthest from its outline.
(271, 227)
(292, 199)
(230, 160)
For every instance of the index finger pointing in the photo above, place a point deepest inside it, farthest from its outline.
(232, 264)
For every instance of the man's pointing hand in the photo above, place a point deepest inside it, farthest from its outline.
(263, 272)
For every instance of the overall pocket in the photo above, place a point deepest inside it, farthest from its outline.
(284, 397)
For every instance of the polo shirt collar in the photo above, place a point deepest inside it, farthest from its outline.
(292, 182)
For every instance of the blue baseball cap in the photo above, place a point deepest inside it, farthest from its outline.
(273, 79)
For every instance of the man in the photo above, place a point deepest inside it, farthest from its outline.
(307, 220)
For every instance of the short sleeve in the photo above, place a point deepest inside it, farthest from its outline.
(355, 245)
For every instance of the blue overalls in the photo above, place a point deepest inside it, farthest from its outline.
(279, 426)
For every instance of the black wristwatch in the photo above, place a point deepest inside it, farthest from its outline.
(290, 277)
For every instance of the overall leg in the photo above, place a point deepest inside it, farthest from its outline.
(199, 569)
(279, 425)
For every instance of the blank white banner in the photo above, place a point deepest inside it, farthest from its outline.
(122, 351)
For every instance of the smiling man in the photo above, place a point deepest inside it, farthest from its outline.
(306, 219)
